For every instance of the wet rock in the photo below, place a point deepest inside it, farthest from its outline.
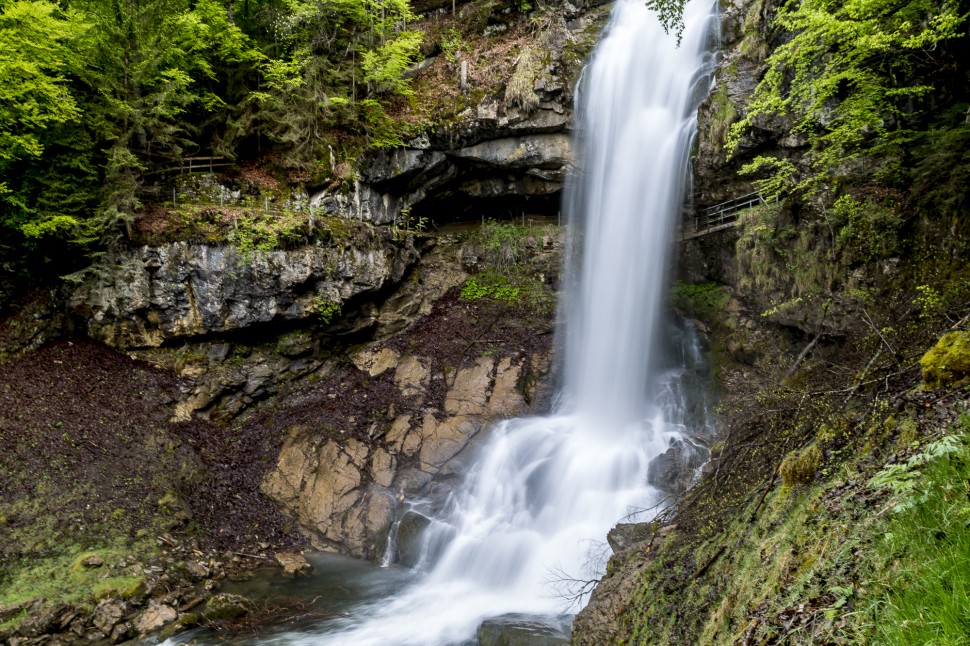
(121, 632)
(375, 362)
(293, 564)
(226, 606)
(382, 466)
(401, 439)
(318, 484)
(469, 392)
(445, 439)
(674, 470)
(409, 538)
(196, 570)
(550, 152)
(14, 609)
(505, 399)
(154, 618)
(295, 344)
(43, 620)
(412, 375)
(524, 630)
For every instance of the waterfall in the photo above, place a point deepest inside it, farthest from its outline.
(534, 510)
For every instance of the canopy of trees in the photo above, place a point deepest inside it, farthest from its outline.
(94, 94)
(857, 79)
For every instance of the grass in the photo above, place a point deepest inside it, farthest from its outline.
(510, 266)
(920, 568)
(64, 577)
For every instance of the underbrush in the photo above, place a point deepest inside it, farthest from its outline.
(512, 266)
(252, 230)
(919, 591)
(68, 579)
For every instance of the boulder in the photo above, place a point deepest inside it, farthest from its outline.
(675, 470)
(226, 606)
(293, 564)
(153, 618)
(524, 630)
(108, 614)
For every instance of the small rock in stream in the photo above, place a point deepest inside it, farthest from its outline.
(293, 564)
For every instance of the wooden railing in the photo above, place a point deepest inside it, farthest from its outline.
(724, 215)
(195, 165)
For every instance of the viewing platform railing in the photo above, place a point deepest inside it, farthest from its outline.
(722, 216)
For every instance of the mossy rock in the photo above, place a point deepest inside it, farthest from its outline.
(948, 361)
(800, 467)
(226, 606)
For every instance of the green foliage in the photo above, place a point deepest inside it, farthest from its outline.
(869, 230)
(920, 593)
(490, 285)
(942, 172)
(385, 65)
(510, 269)
(96, 97)
(849, 80)
(326, 309)
(928, 300)
(452, 44)
(671, 14)
(503, 244)
(37, 55)
(703, 301)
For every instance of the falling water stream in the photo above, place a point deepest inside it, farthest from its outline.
(544, 491)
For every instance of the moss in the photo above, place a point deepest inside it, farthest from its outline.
(704, 301)
(119, 587)
(724, 115)
(521, 87)
(948, 361)
(800, 467)
(67, 580)
(908, 433)
(226, 606)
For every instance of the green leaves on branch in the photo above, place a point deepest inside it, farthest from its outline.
(849, 80)
(36, 56)
(385, 66)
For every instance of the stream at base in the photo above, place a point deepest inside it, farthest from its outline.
(525, 530)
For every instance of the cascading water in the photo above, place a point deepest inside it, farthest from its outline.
(545, 489)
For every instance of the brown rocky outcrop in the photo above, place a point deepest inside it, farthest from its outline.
(345, 492)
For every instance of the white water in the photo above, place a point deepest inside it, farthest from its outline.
(545, 491)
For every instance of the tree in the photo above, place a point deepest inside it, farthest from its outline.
(35, 100)
(850, 79)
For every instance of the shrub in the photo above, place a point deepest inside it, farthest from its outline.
(800, 467)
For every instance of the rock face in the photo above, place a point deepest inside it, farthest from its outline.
(346, 493)
(513, 146)
(180, 290)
